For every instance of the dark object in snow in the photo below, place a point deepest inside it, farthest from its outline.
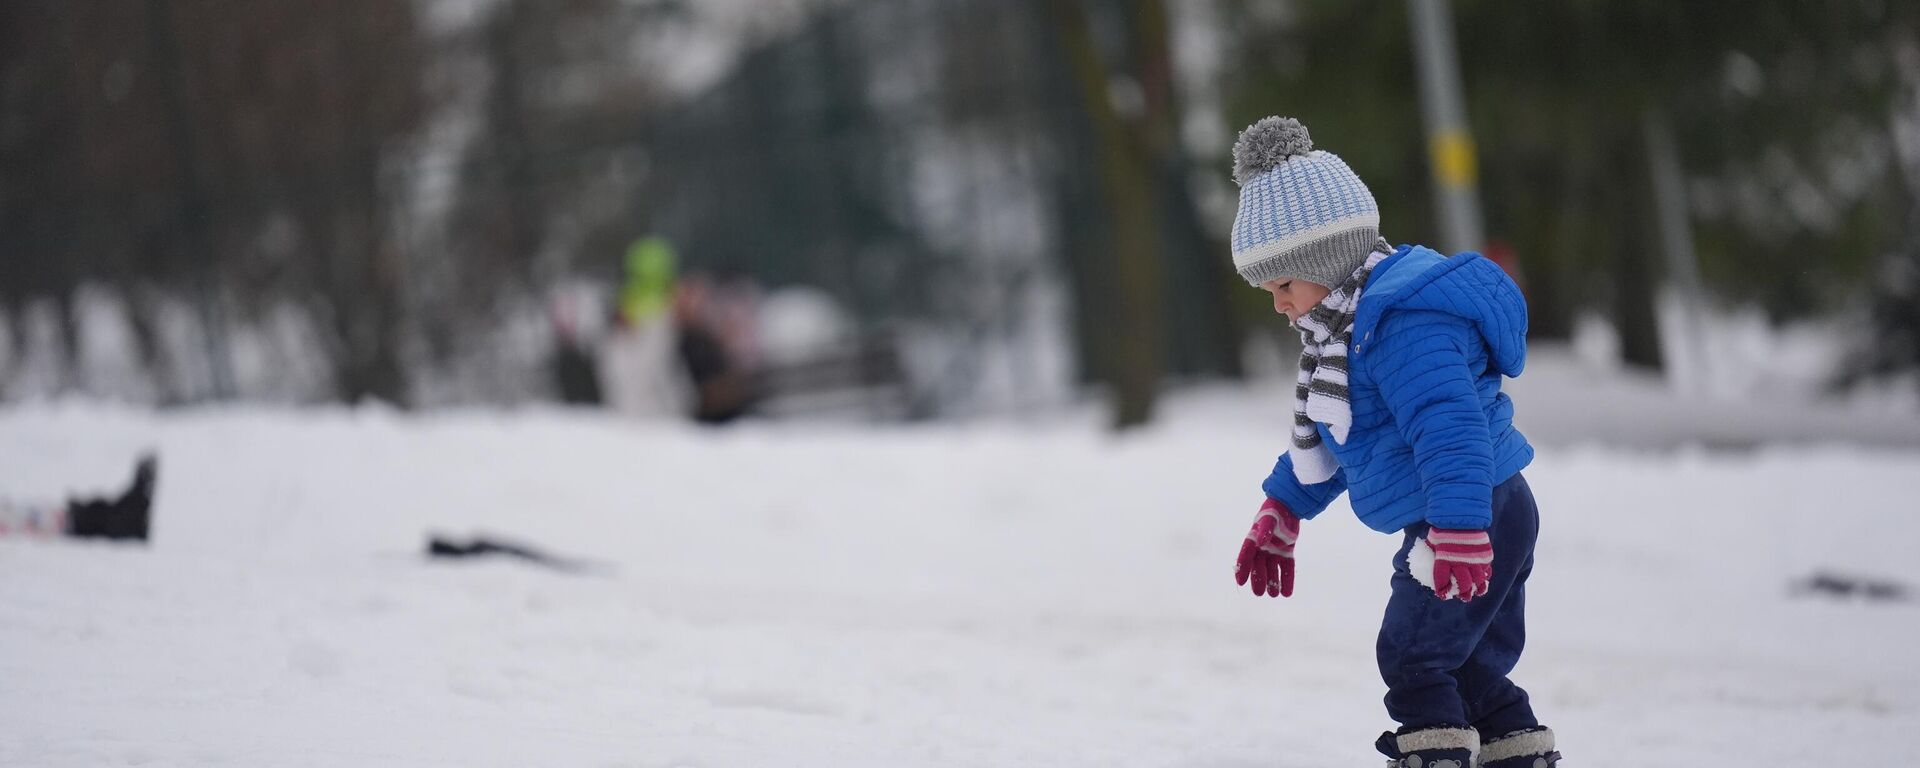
(1837, 585)
(126, 518)
(440, 547)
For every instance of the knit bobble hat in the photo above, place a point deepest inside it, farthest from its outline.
(1303, 215)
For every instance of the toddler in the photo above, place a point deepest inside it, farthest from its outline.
(1398, 404)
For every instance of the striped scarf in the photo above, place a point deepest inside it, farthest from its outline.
(1321, 394)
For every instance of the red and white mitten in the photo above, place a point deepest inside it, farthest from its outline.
(1455, 564)
(1266, 558)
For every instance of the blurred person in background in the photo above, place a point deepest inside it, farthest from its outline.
(126, 517)
(576, 374)
(638, 357)
(1398, 402)
(713, 324)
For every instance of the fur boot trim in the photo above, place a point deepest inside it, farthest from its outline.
(1525, 748)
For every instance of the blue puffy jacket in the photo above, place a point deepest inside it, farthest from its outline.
(1432, 433)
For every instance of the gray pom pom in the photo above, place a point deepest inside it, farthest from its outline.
(1266, 144)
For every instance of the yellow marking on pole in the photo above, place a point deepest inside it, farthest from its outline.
(1453, 158)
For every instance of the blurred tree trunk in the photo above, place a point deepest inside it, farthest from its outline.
(507, 115)
(1636, 285)
(141, 308)
(67, 318)
(1634, 316)
(15, 314)
(195, 213)
(1206, 337)
(363, 218)
(1135, 359)
(1551, 287)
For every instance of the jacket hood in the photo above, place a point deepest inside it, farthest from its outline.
(1468, 286)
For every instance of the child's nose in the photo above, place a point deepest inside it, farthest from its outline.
(1279, 306)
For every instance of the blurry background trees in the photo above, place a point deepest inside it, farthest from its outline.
(336, 199)
(1785, 117)
(239, 156)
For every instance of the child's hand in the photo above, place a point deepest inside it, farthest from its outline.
(1462, 563)
(1267, 555)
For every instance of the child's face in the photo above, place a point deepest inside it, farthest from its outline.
(1294, 297)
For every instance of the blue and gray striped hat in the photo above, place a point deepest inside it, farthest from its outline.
(1304, 215)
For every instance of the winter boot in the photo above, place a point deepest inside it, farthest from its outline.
(1524, 748)
(126, 517)
(1440, 746)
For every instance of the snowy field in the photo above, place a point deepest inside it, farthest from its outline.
(986, 596)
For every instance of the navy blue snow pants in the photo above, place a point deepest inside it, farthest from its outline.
(1446, 662)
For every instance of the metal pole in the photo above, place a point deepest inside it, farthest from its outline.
(1450, 154)
(1676, 239)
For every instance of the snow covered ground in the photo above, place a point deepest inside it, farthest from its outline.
(943, 596)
